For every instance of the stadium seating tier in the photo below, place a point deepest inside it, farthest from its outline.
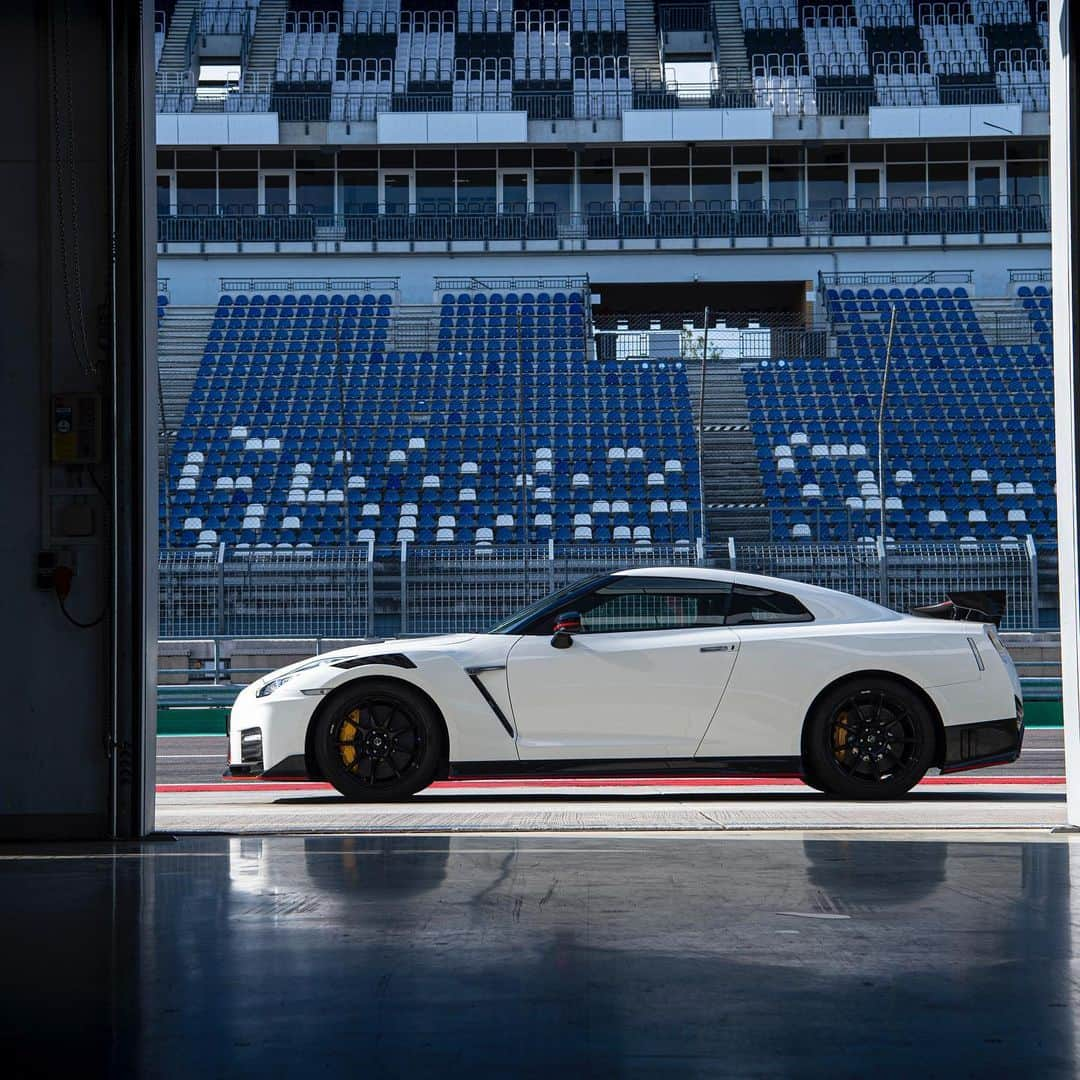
(305, 428)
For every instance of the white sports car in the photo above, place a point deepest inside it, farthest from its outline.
(658, 671)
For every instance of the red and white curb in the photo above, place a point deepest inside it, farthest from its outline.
(540, 784)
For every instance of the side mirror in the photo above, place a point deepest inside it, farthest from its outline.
(566, 625)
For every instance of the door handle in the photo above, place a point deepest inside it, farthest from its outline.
(717, 648)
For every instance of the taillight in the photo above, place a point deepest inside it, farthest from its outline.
(996, 641)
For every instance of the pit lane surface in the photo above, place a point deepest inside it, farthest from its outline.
(1028, 794)
(200, 759)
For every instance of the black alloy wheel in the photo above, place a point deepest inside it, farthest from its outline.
(870, 740)
(379, 741)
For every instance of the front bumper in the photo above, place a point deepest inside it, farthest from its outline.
(978, 746)
(267, 736)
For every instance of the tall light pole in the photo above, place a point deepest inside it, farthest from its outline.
(523, 509)
(346, 453)
(701, 430)
(881, 425)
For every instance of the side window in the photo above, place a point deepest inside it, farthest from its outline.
(637, 604)
(752, 606)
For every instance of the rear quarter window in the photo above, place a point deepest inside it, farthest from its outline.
(751, 606)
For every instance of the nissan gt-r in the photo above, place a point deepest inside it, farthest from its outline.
(648, 672)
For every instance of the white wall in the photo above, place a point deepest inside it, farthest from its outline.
(195, 279)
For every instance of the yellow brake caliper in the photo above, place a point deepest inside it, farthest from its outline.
(840, 737)
(350, 726)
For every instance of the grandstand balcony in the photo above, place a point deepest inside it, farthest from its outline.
(771, 88)
(699, 223)
(368, 74)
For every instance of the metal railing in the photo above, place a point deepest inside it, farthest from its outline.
(503, 284)
(713, 220)
(331, 592)
(896, 277)
(360, 105)
(683, 17)
(235, 19)
(253, 285)
(1043, 276)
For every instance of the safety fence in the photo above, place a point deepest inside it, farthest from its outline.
(326, 592)
(700, 220)
(448, 588)
(903, 576)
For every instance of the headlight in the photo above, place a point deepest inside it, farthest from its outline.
(274, 684)
(268, 688)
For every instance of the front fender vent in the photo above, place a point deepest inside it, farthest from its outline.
(386, 659)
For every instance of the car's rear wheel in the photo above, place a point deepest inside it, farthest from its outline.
(871, 739)
(379, 742)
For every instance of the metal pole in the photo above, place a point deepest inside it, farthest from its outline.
(701, 429)
(1033, 580)
(343, 442)
(219, 593)
(403, 585)
(881, 426)
(371, 588)
(524, 507)
(1065, 199)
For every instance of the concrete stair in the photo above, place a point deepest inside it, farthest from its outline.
(265, 45)
(414, 327)
(1003, 321)
(174, 54)
(734, 498)
(731, 58)
(642, 41)
(181, 340)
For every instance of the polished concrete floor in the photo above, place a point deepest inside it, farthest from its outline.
(684, 955)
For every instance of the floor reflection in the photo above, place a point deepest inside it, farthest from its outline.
(513, 956)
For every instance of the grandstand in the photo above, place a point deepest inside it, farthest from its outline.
(307, 426)
(628, 275)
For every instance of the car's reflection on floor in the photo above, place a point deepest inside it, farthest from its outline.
(610, 955)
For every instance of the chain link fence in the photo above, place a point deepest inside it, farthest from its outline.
(332, 592)
(903, 576)
(323, 592)
(189, 594)
(851, 568)
(916, 573)
(448, 589)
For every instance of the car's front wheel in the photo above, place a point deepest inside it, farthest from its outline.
(379, 742)
(873, 739)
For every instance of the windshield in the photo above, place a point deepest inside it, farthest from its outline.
(520, 619)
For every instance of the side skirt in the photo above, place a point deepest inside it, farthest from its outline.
(628, 767)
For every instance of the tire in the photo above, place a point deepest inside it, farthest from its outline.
(870, 739)
(379, 742)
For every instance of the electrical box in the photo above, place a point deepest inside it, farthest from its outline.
(76, 429)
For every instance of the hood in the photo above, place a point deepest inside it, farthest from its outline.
(400, 645)
(408, 646)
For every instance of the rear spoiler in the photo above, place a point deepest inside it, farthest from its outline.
(987, 606)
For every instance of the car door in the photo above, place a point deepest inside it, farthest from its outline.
(756, 718)
(641, 679)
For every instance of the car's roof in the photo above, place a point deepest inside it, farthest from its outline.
(826, 604)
